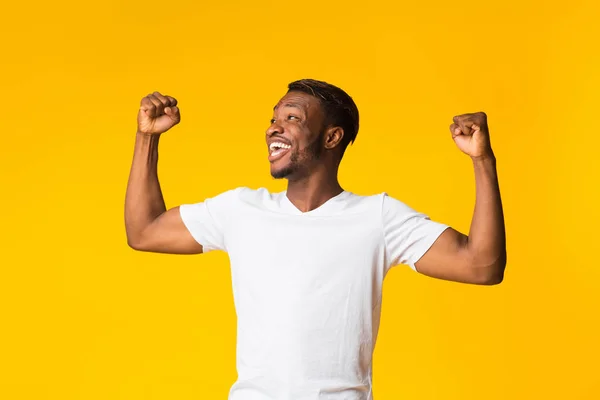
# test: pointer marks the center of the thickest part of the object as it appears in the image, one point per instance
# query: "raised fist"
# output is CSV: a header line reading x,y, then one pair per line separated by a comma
x,y
471,135
157,114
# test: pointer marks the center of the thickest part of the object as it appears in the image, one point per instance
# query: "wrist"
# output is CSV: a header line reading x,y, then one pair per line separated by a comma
x,y
487,158
146,143
147,137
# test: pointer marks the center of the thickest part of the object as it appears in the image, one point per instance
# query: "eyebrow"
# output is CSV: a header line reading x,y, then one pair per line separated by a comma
x,y
295,105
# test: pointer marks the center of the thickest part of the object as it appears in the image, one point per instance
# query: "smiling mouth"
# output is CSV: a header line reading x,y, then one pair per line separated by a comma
x,y
277,150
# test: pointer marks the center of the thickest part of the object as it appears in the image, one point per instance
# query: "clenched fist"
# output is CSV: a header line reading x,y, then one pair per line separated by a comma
x,y
157,114
471,135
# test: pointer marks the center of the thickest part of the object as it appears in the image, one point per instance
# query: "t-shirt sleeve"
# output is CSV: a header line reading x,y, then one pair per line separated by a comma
x,y
408,234
208,221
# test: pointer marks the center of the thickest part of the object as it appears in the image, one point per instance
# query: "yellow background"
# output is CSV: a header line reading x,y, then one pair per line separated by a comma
x,y
85,317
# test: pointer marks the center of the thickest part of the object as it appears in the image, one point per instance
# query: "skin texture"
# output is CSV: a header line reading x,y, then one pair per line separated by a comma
x,y
311,168
149,226
311,165
480,257
297,121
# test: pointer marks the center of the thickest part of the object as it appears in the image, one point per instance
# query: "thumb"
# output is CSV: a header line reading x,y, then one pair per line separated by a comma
x,y
455,130
146,113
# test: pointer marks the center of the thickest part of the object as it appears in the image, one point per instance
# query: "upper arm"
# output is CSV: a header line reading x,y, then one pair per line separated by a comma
x,y
429,247
168,234
191,228
408,234
449,258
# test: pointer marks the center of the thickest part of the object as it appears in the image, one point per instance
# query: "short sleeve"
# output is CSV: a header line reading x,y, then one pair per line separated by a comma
x,y
208,221
408,234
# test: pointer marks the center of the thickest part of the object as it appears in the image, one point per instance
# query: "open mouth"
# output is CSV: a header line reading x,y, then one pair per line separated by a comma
x,y
278,150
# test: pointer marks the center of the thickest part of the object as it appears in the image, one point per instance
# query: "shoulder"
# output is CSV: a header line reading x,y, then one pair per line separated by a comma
x,y
352,203
242,192
381,202
227,196
248,194
257,198
393,205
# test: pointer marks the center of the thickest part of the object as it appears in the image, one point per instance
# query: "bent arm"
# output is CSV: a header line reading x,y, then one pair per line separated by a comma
x,y
479,258
148,224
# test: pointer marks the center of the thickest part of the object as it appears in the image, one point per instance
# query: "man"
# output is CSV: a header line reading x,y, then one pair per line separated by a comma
x,y
308,263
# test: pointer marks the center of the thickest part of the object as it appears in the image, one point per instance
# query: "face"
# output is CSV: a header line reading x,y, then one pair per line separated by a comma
x,y
295,137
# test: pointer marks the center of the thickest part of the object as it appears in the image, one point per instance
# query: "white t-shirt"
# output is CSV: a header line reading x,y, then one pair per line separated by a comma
x,y
307,285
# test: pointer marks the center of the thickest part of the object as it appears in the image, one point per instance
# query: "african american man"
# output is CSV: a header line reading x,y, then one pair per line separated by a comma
x,y
308,263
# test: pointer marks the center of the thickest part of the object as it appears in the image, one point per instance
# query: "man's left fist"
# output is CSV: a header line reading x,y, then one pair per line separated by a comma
x,y
471,135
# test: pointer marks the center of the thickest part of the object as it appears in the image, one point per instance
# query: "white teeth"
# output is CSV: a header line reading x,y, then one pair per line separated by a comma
x,y
278,145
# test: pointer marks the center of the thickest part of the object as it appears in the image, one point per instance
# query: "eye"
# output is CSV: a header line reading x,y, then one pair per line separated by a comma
x,y
292,116
272,120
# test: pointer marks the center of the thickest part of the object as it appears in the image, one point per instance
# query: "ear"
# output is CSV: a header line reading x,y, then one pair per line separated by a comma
x,y
333,137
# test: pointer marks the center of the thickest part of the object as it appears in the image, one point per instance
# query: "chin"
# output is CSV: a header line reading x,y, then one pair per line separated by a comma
x,y
278,174
281,172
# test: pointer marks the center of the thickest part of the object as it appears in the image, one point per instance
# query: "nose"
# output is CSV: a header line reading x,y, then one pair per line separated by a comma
x,y
274,129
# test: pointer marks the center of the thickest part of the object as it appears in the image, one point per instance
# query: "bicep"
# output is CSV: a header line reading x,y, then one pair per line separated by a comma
x,y
168,234
449,259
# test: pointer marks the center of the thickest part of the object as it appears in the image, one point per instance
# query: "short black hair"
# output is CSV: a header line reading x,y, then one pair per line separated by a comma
x,y
339,108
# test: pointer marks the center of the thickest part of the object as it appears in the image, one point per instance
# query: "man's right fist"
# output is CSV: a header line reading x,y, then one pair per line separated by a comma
x,y
157,114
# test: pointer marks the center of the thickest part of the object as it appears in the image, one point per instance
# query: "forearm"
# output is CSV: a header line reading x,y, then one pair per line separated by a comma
x,y
143,200
487,238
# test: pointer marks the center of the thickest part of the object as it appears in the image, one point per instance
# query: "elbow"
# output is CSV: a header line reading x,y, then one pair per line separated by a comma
x,y
491,274
135,243
494,278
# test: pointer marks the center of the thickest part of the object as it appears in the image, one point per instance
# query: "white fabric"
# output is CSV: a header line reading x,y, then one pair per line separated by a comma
x,y
307,286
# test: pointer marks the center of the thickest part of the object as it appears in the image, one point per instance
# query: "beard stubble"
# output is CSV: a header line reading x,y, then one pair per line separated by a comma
x,y
300,159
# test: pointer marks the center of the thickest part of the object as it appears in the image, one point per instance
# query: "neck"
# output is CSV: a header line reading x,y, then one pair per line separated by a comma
x,y
313,190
